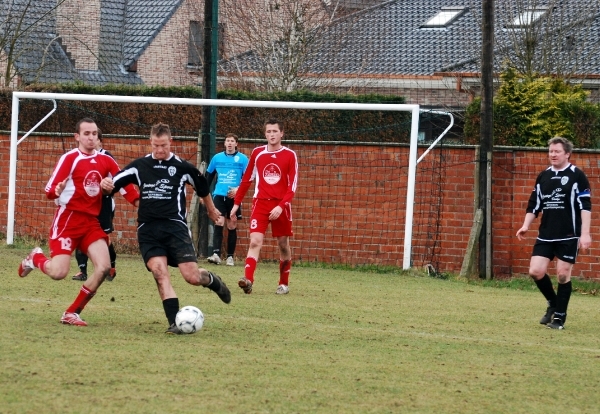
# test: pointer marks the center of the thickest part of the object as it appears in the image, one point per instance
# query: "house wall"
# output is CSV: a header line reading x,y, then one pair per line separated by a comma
x,y
594,96
249,23
350,202
78,25
164,62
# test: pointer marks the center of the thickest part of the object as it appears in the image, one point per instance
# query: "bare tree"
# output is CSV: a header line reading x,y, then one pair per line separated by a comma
x,y
535,38
24,41
273,45
549,38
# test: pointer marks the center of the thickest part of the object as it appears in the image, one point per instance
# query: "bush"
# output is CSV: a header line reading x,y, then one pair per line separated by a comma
x,y
530,111
135,119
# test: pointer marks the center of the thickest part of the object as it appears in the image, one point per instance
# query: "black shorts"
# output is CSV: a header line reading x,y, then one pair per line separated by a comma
x,y
224,205
168,238
565,250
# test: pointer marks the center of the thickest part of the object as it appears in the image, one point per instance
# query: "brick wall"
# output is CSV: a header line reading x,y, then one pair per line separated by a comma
x,y
350,202
78,24
164,62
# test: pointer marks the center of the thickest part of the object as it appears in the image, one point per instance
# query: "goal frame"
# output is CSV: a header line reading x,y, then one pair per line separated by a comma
x,y
414,109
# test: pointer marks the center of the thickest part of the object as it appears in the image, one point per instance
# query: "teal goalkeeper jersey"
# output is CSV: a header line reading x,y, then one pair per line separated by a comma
x,y
229,168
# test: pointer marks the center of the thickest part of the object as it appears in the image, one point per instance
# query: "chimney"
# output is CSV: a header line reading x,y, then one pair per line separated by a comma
x,y
78,25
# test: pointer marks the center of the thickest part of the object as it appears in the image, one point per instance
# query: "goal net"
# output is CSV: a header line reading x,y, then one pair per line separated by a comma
x,y
361,198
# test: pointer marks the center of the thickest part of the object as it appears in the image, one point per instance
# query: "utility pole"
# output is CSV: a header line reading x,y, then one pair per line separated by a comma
x,y
208,129
486,140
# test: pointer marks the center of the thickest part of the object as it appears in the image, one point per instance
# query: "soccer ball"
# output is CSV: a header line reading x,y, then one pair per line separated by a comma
x,y
189,319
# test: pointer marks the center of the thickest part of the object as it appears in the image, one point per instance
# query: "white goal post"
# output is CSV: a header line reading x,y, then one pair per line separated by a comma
x,y
412,164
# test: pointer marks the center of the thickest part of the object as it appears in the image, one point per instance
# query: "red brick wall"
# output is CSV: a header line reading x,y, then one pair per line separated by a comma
x,y
350,202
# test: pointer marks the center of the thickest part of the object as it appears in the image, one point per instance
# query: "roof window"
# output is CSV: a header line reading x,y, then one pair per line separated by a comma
x,y
444,17
528,17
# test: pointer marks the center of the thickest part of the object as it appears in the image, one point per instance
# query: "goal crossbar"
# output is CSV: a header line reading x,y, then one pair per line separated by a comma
x,y
412,163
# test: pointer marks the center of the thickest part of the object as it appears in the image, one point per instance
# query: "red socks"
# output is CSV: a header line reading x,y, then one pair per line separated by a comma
x,y
250,268
284,272
85,295
39,261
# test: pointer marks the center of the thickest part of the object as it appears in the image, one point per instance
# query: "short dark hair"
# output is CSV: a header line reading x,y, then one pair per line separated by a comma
x,y
160,129
566,144
230,135
83,121
273,121
100,134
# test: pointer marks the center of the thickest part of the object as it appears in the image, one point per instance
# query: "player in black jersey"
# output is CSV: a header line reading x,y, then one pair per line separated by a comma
x,y
163,235
562,195
107,213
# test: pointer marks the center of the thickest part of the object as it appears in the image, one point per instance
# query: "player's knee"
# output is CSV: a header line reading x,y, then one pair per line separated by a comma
x,y
255,242
284,250
159,273
192,274
284,246
58,274
105,271
193,278
536,273
255,245
563,278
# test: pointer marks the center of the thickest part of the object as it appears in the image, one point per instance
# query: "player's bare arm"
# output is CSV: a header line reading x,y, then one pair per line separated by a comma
x,y
529,217
212,211
586,239
60,187
275,213
232,192
234,209
107,185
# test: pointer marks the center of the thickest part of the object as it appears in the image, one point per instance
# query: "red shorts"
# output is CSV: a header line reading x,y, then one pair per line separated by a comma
x,y
73,230
259,218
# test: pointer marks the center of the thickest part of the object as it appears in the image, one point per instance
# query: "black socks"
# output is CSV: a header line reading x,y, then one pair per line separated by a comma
x,y
231,242
563,295
171,307
217,239
545,286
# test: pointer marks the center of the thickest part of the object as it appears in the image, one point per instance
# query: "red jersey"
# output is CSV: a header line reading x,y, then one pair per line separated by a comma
x,y
276,175
83,173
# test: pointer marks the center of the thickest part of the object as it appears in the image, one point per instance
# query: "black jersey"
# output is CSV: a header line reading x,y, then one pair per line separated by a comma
x,y
162,186
560,196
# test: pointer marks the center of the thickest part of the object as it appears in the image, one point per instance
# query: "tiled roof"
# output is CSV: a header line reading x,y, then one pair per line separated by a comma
x,y
126,29
581,59
145,19
388,40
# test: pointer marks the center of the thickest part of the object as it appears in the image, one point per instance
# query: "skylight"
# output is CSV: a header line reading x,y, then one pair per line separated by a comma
x,y
444,17
528,17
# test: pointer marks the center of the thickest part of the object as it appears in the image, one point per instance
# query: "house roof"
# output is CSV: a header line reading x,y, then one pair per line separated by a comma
x,y
127,28
389,39
574,50
145,19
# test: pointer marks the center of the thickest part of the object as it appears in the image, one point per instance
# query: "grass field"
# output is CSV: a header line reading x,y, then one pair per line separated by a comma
x,y
341,342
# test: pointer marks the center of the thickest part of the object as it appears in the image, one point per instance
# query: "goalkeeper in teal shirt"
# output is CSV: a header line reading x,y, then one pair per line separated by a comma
x,y
228,166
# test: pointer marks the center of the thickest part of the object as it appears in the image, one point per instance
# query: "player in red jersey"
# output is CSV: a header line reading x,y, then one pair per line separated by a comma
x,y
75,187
275,169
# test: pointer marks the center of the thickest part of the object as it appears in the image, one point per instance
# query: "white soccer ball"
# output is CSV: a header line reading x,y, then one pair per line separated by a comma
x,y
189,319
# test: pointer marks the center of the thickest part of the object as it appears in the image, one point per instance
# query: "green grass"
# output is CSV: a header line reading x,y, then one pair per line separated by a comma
x,y
342,341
